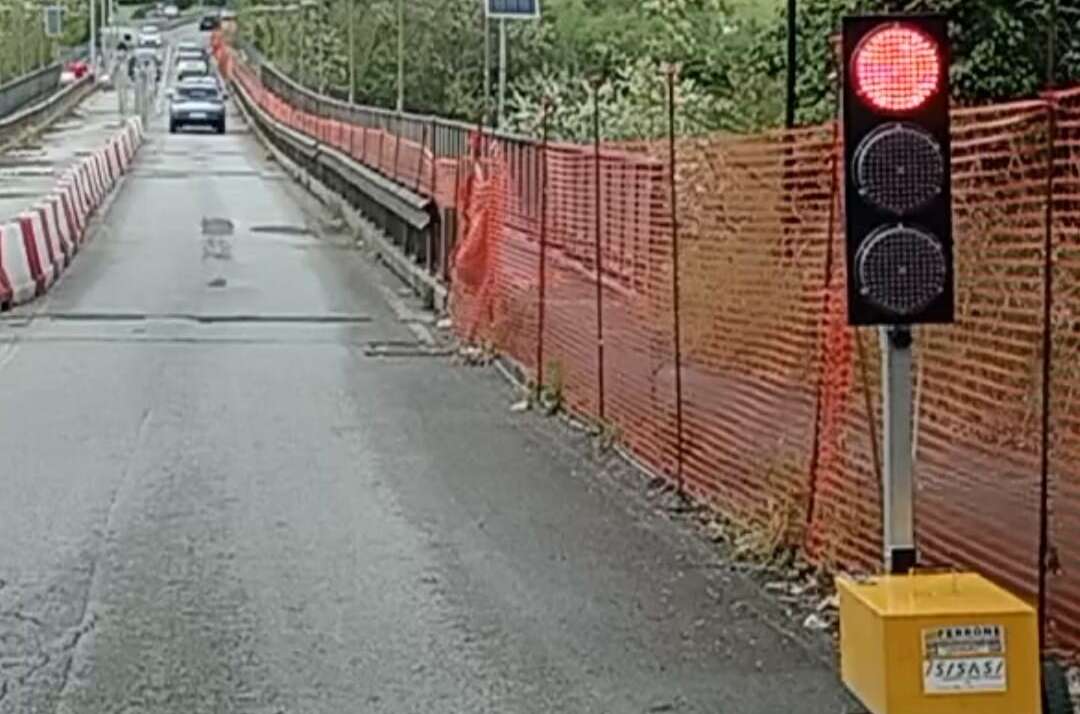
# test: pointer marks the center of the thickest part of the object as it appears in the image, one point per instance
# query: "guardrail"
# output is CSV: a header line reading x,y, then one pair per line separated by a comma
x,y
410,224
448,138
15,127
776,427
26,89
436,158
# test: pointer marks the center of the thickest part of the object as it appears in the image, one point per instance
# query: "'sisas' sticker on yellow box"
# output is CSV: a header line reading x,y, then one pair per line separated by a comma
x,y
964,659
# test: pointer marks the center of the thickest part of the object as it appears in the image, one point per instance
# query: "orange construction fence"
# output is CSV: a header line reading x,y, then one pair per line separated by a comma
x,y
765,406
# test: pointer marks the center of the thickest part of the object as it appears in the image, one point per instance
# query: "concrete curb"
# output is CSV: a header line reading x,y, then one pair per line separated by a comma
x,y
39,244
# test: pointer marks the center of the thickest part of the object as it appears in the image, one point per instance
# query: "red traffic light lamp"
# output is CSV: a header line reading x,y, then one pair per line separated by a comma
x,y
897,68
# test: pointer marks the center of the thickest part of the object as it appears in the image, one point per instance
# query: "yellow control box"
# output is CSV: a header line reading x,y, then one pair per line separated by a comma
x,y
942,643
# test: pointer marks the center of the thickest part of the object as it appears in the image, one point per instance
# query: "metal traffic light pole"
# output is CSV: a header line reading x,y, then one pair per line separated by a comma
x,y
907,637
898,487
899,233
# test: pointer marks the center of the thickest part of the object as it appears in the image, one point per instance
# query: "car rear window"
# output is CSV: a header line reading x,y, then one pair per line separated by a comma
x,y
198,94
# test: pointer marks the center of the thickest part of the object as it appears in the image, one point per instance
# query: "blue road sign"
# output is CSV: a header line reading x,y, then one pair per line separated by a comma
x,y
513,9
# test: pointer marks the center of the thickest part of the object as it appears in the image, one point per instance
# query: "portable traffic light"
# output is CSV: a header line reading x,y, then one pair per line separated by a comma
x,y
896,153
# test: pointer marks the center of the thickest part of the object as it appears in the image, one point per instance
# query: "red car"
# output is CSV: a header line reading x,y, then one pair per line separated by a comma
x,y
74,71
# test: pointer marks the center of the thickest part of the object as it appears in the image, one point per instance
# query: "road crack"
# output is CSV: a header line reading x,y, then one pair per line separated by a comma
x,y
87,619
23,617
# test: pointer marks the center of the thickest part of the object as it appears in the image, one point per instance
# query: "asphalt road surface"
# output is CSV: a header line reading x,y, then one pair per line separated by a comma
x,y
223,492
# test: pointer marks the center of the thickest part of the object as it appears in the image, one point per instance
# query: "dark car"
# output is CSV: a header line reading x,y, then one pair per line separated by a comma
x,y
197,105
209,22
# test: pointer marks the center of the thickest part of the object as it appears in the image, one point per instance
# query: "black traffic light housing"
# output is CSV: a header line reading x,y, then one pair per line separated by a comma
x,y
898,198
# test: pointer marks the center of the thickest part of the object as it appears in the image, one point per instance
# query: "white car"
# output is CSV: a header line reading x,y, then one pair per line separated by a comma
x,y
150,36
171,11
191,68
190,51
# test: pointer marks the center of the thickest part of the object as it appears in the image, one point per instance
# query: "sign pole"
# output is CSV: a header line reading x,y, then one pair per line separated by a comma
x,y
502,72
93,35
352,51
898,492
401,56
792,68
487,65
503,10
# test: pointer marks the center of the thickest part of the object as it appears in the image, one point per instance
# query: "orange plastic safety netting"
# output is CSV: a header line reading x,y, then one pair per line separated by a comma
x,y
564,261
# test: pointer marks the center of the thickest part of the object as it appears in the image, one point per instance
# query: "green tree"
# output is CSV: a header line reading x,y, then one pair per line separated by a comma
x,y
999,47
731,55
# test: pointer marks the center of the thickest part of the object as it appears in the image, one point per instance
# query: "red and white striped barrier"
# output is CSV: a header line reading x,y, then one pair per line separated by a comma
x,y
63,229
82,192
38,253
93,182
71,205
51,236
38,244
102,172
72,208
119,150
112,166
15,265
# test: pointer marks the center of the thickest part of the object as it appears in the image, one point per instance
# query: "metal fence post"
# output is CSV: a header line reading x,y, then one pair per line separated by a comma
x,y
598,251
676,293
420,158
1045,547
434,159
397,146
460,162
542,297
819,406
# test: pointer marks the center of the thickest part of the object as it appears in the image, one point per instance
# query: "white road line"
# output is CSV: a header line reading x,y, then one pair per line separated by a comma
x,y
8,350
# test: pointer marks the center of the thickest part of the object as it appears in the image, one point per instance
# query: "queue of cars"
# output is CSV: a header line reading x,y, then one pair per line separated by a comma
x,y
197,99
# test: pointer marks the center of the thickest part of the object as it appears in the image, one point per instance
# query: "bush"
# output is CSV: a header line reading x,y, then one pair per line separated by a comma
x,y
732,55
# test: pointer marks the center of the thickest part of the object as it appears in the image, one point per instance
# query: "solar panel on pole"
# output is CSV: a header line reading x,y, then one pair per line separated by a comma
x,y
513,9
503,10
53,20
